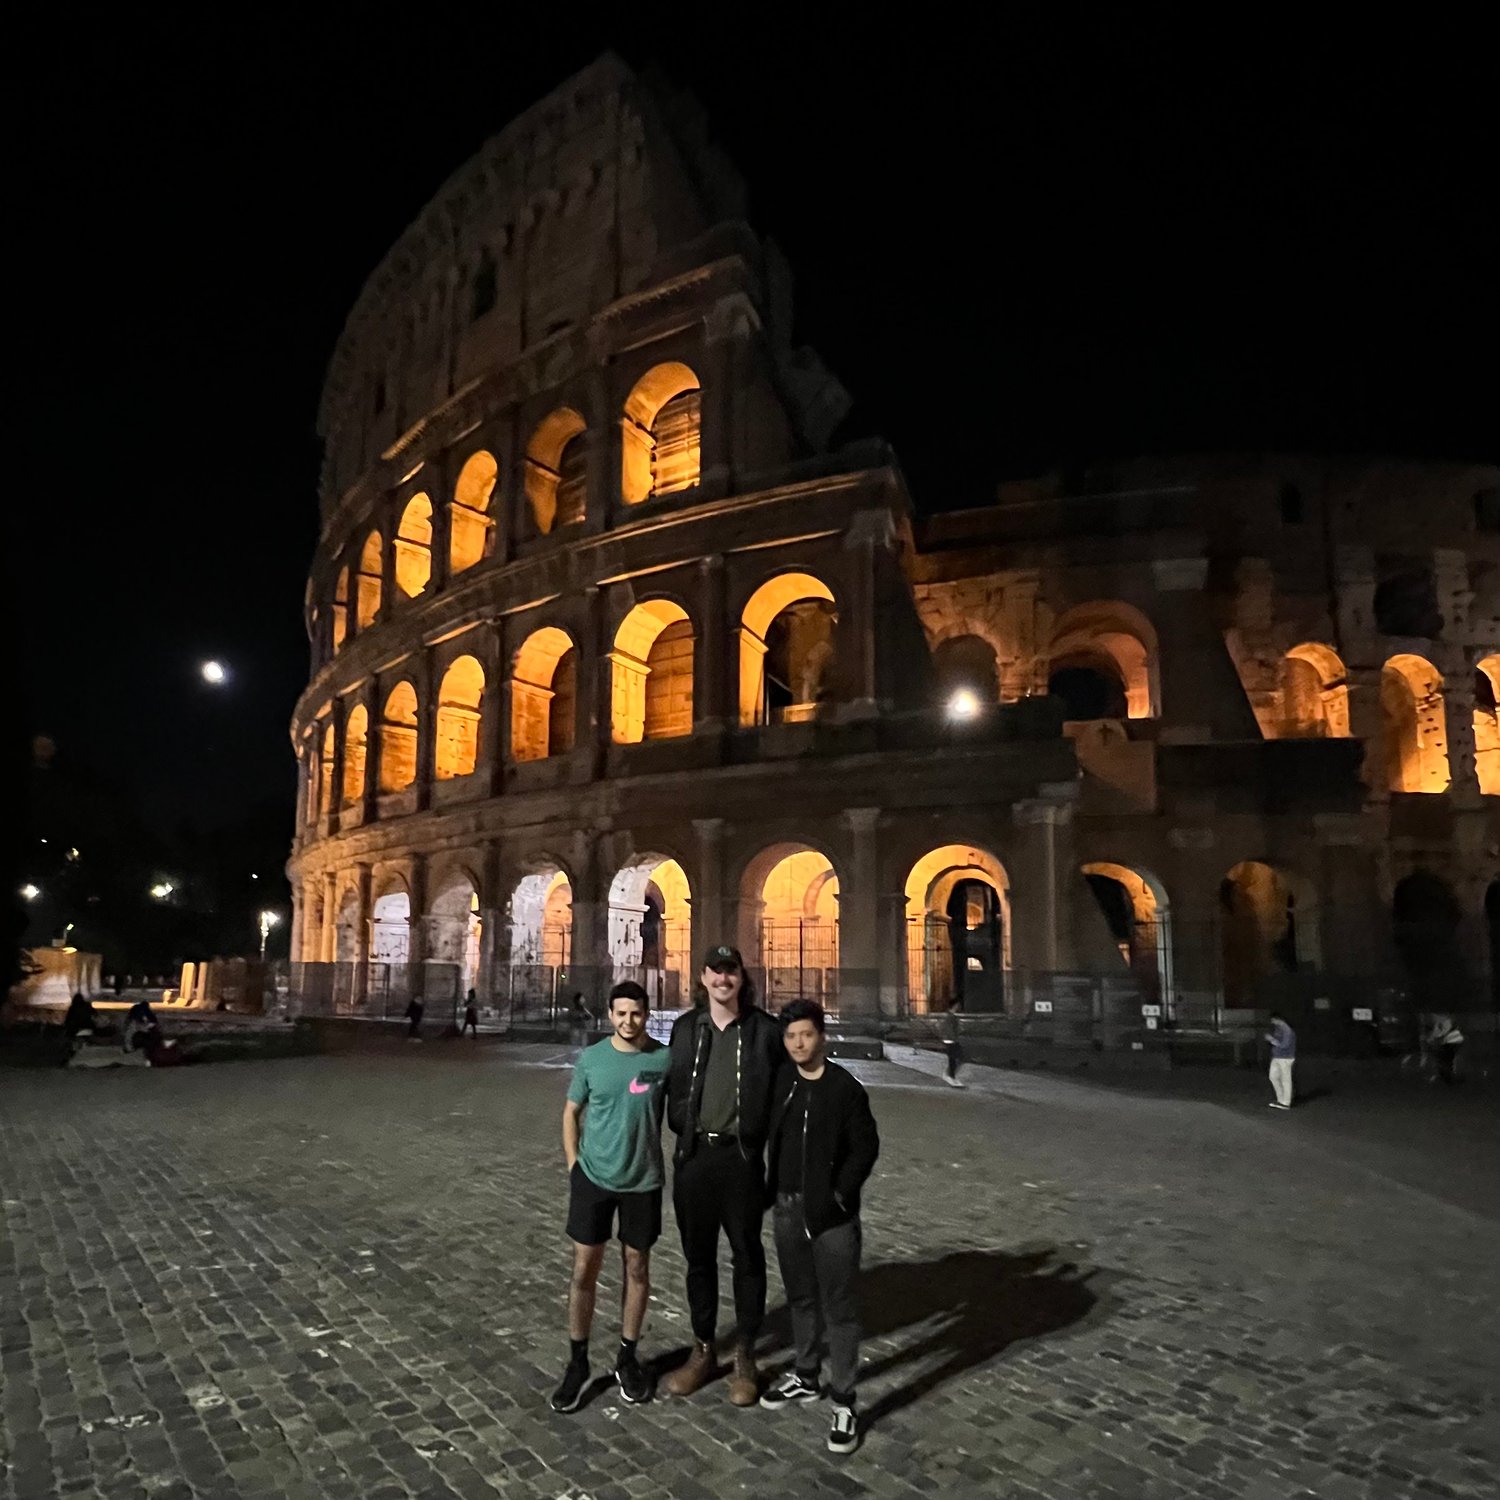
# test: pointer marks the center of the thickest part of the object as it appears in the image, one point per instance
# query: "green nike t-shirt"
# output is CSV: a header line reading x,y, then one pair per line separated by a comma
x,y
622,1094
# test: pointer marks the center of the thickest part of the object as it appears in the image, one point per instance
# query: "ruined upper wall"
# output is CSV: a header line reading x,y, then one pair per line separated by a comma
x,y
598,191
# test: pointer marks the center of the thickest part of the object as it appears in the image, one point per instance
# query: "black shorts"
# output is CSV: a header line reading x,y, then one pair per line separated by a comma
x,y
591,1213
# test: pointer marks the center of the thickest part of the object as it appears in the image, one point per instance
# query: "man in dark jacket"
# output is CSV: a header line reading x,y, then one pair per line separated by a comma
x,y
727,1060
823,1147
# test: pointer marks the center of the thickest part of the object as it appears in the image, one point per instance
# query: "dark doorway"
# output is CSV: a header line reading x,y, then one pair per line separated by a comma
x,y
977,937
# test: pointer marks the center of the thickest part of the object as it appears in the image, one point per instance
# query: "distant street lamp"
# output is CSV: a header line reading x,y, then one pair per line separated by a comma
x,y
161,890
268,920
214,673
30,892
964,704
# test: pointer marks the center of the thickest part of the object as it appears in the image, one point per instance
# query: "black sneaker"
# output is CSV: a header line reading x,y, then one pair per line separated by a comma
x,y
789,1389
570,1393
635,1387
843,1435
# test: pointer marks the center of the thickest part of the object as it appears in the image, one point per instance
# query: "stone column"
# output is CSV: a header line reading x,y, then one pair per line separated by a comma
x,y
422,681
1041,904
869,533
361,975
416,939
708,898
330,814
1197,960
491,914
494,723
1458,716
715,671
859,942
371,800
440,492
1367,724
891,935
590,969
602,490
328,938
389,525
294,945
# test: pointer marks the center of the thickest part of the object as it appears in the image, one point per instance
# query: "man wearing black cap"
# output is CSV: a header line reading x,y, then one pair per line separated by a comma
x,y
727,1058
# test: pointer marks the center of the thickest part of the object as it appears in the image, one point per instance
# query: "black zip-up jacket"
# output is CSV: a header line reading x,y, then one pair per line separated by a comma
x,y
840,1146
763,1060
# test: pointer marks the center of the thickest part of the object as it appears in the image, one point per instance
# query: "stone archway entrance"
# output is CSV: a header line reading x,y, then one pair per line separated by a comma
x,y
541,936
957,930
454,931
1134,907
650,929
789,898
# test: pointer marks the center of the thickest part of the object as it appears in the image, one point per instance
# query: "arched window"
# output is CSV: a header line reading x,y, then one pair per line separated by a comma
x,y
414,546
340,608
1487,725
398,739
1101,663
660,434
371,571
543,694
458,718
556,470
325,772
652,673
469,525
356,735
1414,740
1314,694
786,649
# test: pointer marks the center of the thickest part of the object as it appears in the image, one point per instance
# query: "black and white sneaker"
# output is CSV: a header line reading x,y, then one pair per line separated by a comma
x,y
843,1435
792,1387
569,1395
635,1386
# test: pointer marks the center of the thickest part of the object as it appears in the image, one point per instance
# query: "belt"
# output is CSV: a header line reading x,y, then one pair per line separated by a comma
x,y
718,1138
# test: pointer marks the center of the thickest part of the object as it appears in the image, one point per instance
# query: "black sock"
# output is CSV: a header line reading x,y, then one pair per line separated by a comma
x,y
627,1349
580,1351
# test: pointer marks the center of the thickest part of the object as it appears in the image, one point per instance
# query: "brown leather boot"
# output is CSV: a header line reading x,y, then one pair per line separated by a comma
x,y
744,1382
693,1375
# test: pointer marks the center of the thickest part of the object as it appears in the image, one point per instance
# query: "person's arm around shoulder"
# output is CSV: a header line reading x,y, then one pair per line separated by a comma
x,y
863,1138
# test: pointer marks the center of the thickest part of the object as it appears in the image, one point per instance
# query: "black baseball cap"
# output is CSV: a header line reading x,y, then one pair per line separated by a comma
x,y
723,954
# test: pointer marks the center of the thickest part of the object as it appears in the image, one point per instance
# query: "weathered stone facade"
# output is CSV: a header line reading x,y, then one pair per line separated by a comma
x,y
615,656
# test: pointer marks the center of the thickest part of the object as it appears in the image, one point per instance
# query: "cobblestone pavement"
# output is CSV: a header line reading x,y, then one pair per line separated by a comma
x,y
341,1277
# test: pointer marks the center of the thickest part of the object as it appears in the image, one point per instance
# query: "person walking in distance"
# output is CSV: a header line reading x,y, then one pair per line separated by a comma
x,y
611,1133
1283,1042
471,1016
414,1010
580,1020
727,1063
948,1033
1445,1039
822,1149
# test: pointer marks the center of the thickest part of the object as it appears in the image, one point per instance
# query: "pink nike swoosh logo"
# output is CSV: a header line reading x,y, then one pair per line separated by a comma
x,y
637,1087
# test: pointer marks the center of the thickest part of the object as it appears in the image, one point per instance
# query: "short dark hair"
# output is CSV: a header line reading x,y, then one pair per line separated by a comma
x,y
628,989
803,1010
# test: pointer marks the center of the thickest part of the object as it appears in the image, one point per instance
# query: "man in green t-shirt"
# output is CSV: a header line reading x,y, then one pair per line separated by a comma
x,y
612,1141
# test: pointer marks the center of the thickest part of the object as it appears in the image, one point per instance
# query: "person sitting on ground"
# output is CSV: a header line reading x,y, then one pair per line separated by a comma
x,y
78,1023
1444,1039
141,1026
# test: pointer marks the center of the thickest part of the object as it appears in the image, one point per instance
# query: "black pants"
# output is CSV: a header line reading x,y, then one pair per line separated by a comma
x,y
471,1023
1447,1057
955,1058
820,1274
717,1189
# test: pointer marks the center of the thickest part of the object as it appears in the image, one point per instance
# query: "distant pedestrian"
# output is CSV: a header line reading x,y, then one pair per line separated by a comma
x,y
1283,1042
580,1020
141,1028
414,1011
471,1016
77,1024
1444,1039
948,1032
822,1149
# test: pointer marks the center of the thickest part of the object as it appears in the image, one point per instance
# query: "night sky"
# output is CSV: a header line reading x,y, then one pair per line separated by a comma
x,y
1018,247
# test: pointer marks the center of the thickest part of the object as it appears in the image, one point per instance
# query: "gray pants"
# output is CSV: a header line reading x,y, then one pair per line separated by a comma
x,y
819,1275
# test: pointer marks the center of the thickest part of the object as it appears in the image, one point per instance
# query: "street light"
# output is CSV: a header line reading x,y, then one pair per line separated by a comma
x,y
214,673
30,892
963,704
268,920
161,890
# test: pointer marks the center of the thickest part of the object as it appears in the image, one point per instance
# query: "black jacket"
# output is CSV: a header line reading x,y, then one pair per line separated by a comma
x,y
841,1145
763,1060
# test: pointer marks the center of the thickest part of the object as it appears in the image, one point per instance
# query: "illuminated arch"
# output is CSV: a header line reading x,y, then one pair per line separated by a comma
x,y
556,470
356,738
650,928
660,434
455,932
1414,737
1268,921
939,883
398,739
460,698
325,772
414,546
390,929
1113,643
541,930
789,904
807,659
651,674
469,514
341,608
1487,725
1314,693
1134,905
543,695
966,663
369,583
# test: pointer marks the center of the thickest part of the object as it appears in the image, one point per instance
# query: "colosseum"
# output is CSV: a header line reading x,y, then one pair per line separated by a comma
x,y
616,653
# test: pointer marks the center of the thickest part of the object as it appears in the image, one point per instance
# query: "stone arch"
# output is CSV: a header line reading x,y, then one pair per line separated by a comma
x,y
957,929
1134,905
454,935
539,916
650,928
1314,693
1426,918
1268,927
356,743
786,648
789,895
469,512
341,608
1487,725
370,580
556,470
966,664
459,719
651,673
327,758
1414,731
1103,657
398,739
414,546
661,433
543,695
390,924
